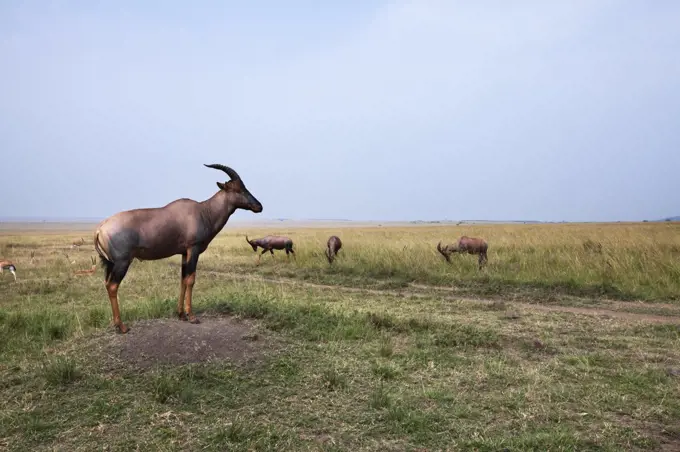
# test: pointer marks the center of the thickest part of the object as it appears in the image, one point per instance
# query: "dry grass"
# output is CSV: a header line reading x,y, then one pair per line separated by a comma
x,y
622,261
370,357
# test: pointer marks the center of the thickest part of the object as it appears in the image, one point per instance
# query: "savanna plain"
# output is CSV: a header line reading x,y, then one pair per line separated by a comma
x,y
569,339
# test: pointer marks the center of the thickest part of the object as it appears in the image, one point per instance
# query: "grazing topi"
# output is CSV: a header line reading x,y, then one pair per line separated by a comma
x,y
271,243
332,247
184,226
78,243
6,264
465,244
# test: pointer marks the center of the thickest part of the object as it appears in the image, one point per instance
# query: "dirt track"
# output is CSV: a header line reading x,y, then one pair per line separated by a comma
x,y
424,291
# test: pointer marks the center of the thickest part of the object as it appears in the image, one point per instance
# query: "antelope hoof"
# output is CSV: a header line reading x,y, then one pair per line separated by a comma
x,y
122,329
182,316
193,319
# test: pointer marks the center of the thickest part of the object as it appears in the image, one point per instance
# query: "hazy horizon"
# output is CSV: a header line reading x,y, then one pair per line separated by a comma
x,y
374,111
333,221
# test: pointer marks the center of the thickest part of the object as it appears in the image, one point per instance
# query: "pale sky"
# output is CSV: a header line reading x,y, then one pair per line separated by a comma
x,y
363,110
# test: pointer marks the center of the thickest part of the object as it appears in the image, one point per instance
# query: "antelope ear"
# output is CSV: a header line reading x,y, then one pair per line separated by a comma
x,y
220,185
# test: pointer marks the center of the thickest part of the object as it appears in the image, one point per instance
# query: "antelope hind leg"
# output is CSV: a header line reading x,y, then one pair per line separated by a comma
x,y
117,274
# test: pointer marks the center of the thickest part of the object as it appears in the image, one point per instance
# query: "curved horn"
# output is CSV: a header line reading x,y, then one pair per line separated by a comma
x,y
230,172
247,238
439,247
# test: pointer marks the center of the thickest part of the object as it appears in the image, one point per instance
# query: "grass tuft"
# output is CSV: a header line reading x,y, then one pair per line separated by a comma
x,y
62,371
386,347
464,335
380,398
385,371
332,379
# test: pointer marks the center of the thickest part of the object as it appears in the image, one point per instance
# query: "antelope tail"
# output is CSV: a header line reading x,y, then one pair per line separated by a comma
x,y
98,248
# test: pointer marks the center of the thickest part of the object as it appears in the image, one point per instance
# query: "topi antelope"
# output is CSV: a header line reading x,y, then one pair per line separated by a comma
x,y
8,265
78,243
468,245
271,243
90,270
332,247
184,226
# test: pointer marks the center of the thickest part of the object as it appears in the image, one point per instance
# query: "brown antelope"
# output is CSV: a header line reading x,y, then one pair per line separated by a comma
x,y
332,247
465,244
6,264
90,270
77,243
184,226
271,243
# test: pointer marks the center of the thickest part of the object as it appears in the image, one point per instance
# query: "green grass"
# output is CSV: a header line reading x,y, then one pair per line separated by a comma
x,y
343,369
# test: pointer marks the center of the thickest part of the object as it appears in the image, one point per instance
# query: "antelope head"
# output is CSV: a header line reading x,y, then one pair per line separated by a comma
x,y
239,194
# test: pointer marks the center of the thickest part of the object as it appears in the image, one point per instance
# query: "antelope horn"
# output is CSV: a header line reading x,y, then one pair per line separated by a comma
x,y
230,172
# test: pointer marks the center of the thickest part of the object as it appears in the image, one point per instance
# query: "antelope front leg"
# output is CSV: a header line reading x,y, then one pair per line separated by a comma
x,y
189,281
182,290
259,256
187,302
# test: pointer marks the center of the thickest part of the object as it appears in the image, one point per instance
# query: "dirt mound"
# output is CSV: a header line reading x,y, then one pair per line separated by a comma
x,y
170,341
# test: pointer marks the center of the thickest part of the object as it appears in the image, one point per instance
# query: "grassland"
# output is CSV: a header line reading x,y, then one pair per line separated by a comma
x,y
569,340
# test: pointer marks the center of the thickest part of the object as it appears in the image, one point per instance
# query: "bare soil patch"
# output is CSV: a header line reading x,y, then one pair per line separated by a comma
x,y
173,342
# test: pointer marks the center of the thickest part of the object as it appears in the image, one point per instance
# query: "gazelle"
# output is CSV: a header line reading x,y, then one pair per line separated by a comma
x,y
89,271
6,264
